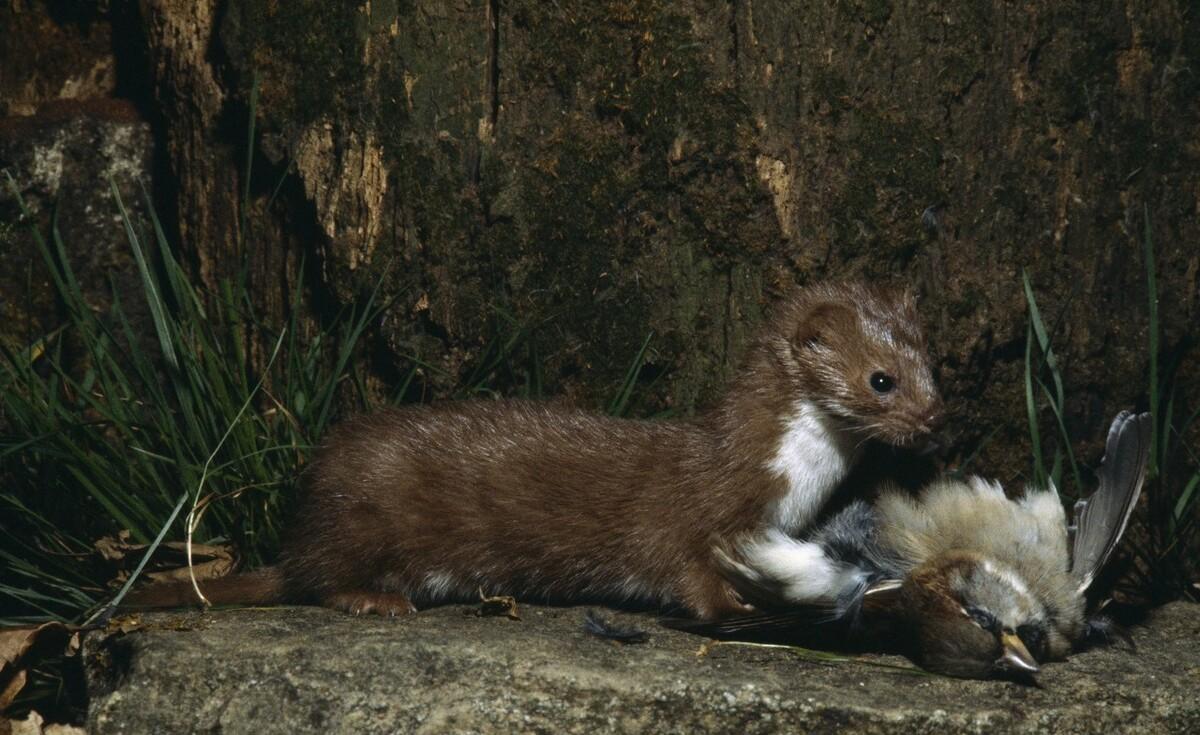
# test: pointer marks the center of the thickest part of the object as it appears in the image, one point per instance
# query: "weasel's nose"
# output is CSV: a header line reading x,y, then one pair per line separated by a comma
x,y
935,417
931,422
929,445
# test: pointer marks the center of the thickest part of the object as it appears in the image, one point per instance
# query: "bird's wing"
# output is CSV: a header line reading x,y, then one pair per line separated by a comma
x,y
878,599
1100,519
796,618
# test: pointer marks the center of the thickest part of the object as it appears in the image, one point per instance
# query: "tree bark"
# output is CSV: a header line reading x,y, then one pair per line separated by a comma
x,y
601,171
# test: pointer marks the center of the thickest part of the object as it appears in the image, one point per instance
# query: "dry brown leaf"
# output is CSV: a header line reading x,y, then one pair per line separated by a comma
x,y
16,643
31,725
20,648
113,548
497,606
123,623
10,688
208,570
13,644
200,552
170,560
172,554
35,725
73,645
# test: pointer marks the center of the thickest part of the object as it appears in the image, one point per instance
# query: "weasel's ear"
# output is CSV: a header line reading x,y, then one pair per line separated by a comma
x,y
908,304
821,320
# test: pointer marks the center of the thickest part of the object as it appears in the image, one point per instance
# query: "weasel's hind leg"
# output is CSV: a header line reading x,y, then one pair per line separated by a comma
x,y
364,602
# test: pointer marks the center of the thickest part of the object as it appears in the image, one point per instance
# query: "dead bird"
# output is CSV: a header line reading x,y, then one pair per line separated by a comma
x,y
978,584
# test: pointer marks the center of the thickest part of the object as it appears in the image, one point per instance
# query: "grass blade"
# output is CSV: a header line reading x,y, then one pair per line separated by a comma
x,y
1152,307
1035,437
158,310
620,402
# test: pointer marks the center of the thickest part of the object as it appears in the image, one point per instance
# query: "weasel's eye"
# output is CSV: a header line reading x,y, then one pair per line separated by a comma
x,y
881,382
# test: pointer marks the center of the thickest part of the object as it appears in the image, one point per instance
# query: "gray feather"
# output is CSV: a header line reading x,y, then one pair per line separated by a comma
x,y
755,624
850,537
1100,519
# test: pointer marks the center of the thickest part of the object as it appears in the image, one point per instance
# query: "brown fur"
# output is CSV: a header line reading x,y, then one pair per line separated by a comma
x,y
550,503
260,587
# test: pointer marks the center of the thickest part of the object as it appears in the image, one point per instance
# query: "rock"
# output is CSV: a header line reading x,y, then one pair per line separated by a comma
x,y
445,670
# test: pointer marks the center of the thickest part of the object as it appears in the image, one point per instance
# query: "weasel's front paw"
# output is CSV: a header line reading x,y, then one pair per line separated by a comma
x,y
388,604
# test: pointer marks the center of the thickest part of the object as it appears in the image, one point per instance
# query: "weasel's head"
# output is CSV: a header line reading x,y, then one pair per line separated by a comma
x,y
861,355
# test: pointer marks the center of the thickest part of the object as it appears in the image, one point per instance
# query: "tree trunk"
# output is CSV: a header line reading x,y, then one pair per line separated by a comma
x,y
600,171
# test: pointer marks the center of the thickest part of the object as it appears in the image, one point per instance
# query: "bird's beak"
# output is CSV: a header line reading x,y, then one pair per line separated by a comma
x,y
1016,656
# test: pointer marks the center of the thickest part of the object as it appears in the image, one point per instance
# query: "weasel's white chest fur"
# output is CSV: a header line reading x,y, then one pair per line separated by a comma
x,y
814,455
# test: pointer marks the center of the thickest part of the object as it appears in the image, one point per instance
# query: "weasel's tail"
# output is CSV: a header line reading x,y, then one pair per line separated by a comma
x,y
260,587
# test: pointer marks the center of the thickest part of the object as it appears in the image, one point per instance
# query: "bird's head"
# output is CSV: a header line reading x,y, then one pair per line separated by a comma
x,y
976,617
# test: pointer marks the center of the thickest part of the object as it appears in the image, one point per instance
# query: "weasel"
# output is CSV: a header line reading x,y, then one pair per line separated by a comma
x,y
417,506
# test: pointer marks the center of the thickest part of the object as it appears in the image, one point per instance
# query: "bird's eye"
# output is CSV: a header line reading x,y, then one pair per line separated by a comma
x,y
881,382
983,618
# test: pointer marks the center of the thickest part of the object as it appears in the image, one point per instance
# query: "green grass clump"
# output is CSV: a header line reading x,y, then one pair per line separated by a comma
x,y
1166,555
107,428
1166,540
1054,399
194,425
